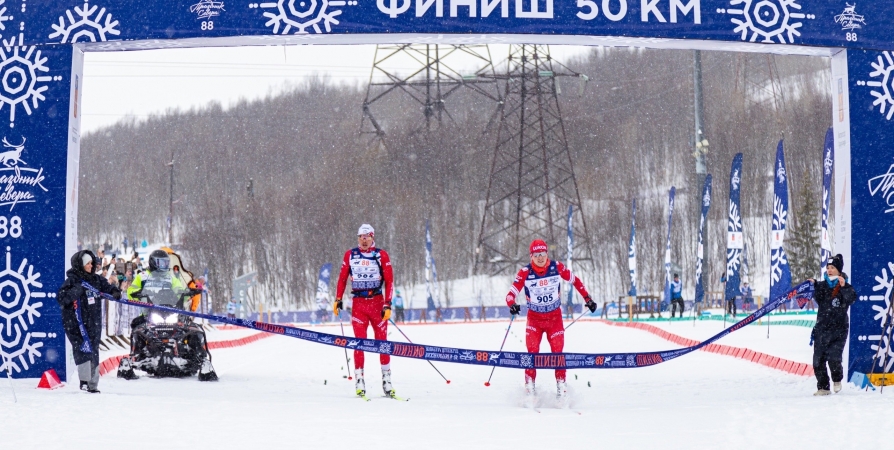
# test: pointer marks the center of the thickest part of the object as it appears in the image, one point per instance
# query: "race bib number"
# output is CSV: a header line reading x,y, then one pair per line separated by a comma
x,y
543,294
365,274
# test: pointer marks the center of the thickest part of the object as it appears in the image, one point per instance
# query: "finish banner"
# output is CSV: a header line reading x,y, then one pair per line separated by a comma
x,y
512,360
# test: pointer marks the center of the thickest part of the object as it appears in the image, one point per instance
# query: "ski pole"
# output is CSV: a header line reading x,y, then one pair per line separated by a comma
x,y
511,319
347,362
8,363
408,340
576,319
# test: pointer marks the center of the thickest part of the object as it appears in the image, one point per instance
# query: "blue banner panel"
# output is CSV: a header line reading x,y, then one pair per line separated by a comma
x,y
34,134
735,242
826,23
631,253
828,166
700,252
780,273
667,248
872,196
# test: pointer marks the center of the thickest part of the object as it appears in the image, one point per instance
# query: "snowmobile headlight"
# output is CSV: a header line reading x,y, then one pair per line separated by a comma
x,y
171,320
156,318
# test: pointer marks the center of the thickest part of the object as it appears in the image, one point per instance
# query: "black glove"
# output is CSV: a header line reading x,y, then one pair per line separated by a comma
x,y
590,304
514,309
116,293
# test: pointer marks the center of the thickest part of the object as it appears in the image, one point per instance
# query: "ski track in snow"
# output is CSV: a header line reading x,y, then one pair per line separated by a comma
x,y
272,393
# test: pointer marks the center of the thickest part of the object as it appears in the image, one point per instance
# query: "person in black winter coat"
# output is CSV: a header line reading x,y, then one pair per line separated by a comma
x,y
72,296
834,295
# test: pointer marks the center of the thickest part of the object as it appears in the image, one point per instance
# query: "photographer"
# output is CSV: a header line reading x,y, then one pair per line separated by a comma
x,y
834,295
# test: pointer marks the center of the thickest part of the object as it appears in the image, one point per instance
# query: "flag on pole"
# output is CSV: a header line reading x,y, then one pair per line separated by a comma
x,y
323,282
734,238
828,162
780,273
667,249
631,255
431,273
700,251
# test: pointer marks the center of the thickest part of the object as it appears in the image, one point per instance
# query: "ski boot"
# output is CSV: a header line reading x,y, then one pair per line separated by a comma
x,y
125,369
207,373
530,394
359,384
822,392
561,390
386,383
836,387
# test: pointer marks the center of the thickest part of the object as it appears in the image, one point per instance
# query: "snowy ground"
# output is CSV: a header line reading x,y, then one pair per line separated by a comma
x,y
288,393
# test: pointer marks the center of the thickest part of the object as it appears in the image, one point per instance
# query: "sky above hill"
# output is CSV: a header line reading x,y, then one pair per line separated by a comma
x,y
140,83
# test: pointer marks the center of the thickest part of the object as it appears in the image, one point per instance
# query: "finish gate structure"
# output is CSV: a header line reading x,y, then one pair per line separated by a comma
x,y
42,45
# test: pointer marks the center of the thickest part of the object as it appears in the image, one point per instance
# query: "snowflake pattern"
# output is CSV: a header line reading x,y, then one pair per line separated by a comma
x,y
302,15
733,255
385,348
769,20
85,27
526,361
884,97
20,66
778,259
17,312
700,255
3,17
884,352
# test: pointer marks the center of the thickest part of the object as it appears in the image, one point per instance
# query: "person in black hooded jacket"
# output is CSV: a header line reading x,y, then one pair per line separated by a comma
x,y
834,295
73,296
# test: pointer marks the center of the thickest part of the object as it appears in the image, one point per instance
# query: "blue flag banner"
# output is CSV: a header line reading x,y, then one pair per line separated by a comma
x,y
828,163
323,281
700,251
431,273
570,256
512,360
667,249
735,243
631,255
780,274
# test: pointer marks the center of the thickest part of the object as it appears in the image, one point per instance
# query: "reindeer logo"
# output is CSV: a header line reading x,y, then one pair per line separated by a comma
x,y
12,157
849,19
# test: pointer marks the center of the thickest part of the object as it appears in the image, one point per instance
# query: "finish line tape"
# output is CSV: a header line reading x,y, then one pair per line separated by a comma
x,y
511,360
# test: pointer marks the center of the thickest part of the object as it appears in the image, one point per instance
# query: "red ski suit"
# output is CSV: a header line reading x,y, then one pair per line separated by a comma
x,y
543,291
372,285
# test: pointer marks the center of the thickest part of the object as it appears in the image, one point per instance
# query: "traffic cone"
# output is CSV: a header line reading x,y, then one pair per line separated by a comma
x,y
49,380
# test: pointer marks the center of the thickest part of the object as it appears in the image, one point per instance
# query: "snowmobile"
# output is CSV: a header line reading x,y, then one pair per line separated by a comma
x,y
167,344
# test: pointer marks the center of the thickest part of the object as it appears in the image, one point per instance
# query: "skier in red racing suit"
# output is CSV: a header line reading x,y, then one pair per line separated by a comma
x,y
540,281
372,285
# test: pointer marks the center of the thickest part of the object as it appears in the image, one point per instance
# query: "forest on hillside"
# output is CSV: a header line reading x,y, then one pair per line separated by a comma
x,y
280,185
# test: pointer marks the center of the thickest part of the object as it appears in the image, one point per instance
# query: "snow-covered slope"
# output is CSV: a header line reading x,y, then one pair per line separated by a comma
x,y
286,393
